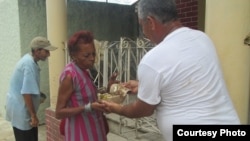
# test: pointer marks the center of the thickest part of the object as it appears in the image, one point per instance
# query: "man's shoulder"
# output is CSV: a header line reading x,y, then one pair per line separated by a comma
x,y
26,59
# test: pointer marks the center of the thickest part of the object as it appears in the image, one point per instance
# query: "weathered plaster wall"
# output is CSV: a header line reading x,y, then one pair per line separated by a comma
x,y
106,21
9,45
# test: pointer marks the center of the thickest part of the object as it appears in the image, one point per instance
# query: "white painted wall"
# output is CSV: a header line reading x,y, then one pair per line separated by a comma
x,y
10,51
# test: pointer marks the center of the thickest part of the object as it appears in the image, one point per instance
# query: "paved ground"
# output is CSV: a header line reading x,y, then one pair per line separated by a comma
x,y
6,133
146,128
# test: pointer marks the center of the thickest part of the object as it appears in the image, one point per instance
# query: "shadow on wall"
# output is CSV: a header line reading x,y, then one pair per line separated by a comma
x,y
44,102
247,40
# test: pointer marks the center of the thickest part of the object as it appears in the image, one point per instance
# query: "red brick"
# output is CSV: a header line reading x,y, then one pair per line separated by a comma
x,y
186,9
193,3
191,14
187,19
188,12
52,126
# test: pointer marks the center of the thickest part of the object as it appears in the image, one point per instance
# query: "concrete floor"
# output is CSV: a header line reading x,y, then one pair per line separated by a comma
x,y
6,133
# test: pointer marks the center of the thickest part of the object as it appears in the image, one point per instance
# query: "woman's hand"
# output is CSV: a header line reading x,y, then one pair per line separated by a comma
x,y
99,106
112,107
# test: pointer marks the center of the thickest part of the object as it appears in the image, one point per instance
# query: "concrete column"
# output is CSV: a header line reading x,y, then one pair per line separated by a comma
x,y
57,34
227,23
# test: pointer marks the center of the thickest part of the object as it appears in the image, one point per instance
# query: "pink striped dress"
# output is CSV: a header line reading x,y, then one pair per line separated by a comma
x,y
85,126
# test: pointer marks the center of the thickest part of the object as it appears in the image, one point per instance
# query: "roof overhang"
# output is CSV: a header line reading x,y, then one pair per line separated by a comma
x,y
121,2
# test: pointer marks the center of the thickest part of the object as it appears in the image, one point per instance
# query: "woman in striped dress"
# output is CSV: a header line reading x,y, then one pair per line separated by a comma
x,y
77,94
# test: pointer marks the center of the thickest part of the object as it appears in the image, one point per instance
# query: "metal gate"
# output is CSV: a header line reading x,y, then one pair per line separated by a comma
x,y
123,57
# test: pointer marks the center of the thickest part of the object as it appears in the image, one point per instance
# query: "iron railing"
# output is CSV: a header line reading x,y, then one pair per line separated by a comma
x,y
123,57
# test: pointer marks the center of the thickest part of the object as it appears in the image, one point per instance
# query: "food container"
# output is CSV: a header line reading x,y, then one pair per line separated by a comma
x,y
117,94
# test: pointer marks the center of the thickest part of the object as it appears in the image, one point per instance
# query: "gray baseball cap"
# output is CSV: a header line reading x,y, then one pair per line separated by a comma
x,y
41,42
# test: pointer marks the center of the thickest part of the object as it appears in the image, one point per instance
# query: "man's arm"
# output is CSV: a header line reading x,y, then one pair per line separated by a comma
x,y
136,109
29,104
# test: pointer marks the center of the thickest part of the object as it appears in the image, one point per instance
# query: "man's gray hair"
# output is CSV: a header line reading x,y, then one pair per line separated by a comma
x,y
163,10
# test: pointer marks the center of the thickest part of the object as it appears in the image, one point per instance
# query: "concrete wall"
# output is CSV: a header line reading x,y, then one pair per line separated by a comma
x,y
10,50
228,22
107,21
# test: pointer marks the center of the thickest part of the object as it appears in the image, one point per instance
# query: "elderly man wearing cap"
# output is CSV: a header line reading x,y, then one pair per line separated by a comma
x,y
23,98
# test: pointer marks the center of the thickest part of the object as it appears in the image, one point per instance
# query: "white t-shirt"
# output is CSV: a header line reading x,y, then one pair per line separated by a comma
x,y
182,74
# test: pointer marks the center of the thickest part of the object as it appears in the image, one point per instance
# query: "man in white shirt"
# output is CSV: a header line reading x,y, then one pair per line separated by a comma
x,y
180,78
